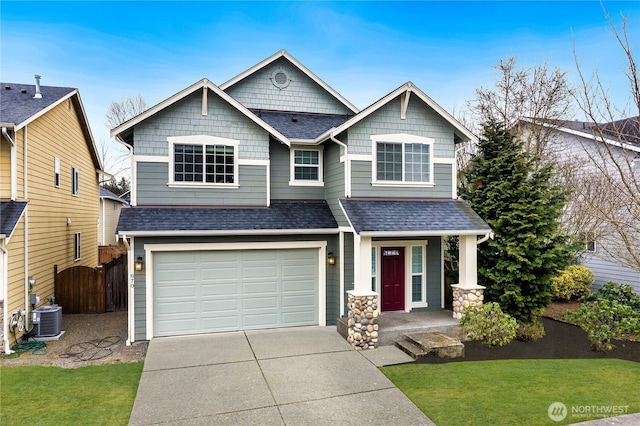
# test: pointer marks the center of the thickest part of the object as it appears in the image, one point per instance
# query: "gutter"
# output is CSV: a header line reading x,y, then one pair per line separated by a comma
x,y
486,237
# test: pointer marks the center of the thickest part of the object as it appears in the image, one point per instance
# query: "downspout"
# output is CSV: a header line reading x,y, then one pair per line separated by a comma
x,y
5,295
131,290
25,195
134,178
14,165
486,237
347,166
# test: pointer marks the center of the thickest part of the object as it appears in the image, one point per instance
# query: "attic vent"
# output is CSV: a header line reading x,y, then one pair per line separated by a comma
x,y
280,78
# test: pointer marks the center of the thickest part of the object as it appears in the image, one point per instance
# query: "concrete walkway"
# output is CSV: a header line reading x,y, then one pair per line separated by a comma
x,y
293,376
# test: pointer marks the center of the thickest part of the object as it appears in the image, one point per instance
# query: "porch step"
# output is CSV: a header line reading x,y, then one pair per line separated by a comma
x,y
439,344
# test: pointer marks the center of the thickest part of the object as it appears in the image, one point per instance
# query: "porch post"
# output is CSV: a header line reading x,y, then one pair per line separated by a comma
x,y
362,303
467,293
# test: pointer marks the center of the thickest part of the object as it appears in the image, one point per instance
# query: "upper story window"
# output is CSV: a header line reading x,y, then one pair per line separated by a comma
x,y
306,167
75,181
77,245
402,159
56,172
203,161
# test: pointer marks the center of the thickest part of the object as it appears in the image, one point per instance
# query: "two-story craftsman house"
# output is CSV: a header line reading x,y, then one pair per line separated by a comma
x,y
270,200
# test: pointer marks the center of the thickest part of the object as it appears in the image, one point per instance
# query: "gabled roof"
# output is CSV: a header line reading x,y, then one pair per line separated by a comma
x,y
10,213
105,193
299,126
407,89
296,63
380,217
18,107
124,130
627,129
282,217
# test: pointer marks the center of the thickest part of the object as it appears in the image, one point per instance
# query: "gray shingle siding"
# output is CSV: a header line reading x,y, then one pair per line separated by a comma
x,y
420,120
302,94
185,118
152,189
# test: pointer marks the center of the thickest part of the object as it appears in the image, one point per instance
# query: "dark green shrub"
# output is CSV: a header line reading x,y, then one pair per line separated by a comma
x,y
530,331
604,320
489,324
572,283
622,293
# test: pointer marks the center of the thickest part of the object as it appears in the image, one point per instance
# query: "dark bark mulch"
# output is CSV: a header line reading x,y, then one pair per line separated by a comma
x,y
561,341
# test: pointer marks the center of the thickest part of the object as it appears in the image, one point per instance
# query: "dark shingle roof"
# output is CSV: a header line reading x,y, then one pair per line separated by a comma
x,y
412,216
105,193
628,129
281,215
296,125
10,212
18,104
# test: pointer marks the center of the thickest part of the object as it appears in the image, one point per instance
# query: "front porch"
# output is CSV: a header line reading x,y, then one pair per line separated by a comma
x,y
393,326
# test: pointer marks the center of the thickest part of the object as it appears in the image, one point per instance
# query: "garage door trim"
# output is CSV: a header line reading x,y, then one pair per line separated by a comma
x,y
283,245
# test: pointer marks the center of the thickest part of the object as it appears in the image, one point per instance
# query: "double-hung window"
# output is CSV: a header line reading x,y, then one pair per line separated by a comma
x,y
203,161
76,245
402,159
306,166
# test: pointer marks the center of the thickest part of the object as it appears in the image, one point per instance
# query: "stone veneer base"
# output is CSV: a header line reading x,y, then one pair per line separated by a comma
x,y
362,321
466,297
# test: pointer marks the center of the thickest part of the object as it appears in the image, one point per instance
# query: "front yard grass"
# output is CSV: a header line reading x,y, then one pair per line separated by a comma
x,y
94,395
519,392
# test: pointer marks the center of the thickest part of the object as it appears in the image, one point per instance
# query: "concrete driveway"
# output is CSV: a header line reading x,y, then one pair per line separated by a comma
x,y
293,376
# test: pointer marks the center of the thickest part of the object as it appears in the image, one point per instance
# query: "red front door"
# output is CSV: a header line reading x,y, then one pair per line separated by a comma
x,y
392,278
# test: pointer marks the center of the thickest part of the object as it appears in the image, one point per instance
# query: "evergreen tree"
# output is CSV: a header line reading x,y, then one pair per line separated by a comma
x,y
523,205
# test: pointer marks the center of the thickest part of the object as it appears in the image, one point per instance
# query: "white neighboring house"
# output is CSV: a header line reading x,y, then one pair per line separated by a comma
x,y
586,158
110,207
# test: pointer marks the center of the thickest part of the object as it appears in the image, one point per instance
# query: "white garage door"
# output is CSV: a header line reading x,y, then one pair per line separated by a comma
x,y
207,291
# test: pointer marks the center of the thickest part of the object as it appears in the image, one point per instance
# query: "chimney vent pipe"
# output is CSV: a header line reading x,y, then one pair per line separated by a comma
x,y
38,95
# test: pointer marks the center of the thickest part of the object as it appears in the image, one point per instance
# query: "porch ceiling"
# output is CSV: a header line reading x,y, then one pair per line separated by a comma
x,y
385,217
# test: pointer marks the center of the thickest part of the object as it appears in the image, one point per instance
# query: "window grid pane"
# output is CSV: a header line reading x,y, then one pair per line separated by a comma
x,y
307,164
416,273
416,288
416,157
374,283
389,161
208,163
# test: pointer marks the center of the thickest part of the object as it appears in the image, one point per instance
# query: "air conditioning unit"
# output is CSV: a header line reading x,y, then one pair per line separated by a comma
x,y
47,321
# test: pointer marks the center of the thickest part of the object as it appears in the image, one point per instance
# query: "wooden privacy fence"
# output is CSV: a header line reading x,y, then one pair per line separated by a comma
x,y
86,290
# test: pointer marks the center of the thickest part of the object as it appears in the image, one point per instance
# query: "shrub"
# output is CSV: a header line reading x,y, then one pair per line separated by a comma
x,y
530,331
622,293
572,283
604,320
489,324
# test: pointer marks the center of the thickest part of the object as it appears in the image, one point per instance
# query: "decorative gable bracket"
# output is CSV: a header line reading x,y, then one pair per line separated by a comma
x,y
404,102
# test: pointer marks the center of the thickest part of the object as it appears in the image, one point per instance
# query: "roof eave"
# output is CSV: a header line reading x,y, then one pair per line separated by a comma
x,y
195,233
424,233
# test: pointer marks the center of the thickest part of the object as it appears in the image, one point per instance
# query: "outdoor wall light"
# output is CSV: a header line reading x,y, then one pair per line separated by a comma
x,y
32,282
139,264
331,258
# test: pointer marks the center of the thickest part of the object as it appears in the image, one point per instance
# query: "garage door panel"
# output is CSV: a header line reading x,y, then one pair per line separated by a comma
x,y
207,291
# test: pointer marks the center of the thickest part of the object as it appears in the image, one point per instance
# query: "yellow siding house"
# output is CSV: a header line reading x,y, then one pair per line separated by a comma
x,y
49,196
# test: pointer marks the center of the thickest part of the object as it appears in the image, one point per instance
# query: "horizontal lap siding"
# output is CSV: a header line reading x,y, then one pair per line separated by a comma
x,y
361,183
5,169
606,271
334,182
280,176
434,273
16,278
152,179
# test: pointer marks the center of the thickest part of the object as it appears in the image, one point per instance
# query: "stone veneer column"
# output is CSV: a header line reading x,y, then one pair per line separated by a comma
x,y
362,322
466,297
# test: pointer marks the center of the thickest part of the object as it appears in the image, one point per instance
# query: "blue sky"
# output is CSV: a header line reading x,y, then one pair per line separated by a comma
x,y
364,50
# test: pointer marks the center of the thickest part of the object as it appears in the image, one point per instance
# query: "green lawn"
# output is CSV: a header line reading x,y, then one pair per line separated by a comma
x,y
95,395
518,392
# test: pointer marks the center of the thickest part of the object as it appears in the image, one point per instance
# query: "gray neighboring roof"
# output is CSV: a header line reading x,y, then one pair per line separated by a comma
x,y
627,129
280,217
296,125
10,212
105,193
427,217
18,104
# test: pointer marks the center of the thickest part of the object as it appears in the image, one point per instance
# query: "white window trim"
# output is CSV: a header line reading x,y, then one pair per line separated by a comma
x,y
402,138
408,288
292,165
56,172
202,140
75,182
